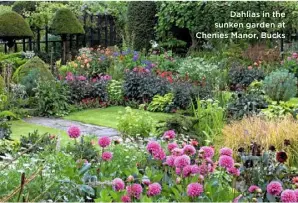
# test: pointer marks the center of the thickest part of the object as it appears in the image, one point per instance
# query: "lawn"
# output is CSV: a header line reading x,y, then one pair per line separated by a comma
x,y
20,127
108,117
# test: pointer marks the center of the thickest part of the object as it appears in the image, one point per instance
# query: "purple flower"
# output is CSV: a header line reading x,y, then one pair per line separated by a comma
x,y
135,57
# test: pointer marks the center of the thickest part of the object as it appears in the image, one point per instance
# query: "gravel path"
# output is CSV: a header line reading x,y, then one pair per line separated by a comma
x,y
61,124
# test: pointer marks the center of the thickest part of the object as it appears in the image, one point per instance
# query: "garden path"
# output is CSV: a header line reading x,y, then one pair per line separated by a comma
x,y
61,124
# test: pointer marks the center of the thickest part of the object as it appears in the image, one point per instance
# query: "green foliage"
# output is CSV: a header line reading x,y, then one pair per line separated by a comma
x,y
161,103
281,109
4,9
198,69
135,124
52,98
245,104
210,117
13,26
280,85
115,92
2,85
24,6
241,77
65,22
37,142
141,22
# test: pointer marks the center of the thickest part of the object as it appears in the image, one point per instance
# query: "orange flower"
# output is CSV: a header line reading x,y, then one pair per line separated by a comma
x,y
295,180
121,57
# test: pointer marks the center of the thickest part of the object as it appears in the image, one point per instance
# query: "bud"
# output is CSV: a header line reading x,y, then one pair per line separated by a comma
x,y
200,178
178,180
254,199
130,178
259,190
296,185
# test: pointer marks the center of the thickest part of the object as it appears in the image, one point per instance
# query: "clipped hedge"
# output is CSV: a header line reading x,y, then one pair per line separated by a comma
x,y
13,25
141,22
65,22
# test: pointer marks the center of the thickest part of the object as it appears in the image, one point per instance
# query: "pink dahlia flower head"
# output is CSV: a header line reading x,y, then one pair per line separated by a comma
x,y
296,193
153,146
253,188
74,132
234,171
170,160
195,169
226,151
107,156
189,150
208,152
118,184
226,161
194,189
104,141
182,161
125,198
169,135
177,152
135,190
186,171
154,189
288,196
274,188
159,155
172,146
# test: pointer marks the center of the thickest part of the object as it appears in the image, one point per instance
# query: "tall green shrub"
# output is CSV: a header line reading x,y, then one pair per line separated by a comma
x,y
280,85
141,22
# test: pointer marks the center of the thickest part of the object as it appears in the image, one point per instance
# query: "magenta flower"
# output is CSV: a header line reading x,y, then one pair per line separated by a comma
x,y
296,193
195,169
135,190
189,150
194,189
170,134
125,198
104,141
203,169
154,189
236,200
178,171
226,151
146,181
182,161
153,146
234,171
253,188
274,188
177,152
226,161
186,171
69,76
74,132
107,156
170,160
172,146
118,184
288,196
208,152
159,155
81,78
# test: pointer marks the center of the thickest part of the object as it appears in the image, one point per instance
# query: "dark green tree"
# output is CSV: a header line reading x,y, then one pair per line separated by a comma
x,y
140,23
65,23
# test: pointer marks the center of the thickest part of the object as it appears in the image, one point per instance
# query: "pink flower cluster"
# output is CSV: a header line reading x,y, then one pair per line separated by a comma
x,y
154,189
74,132
135,190
156,150
118,184
104,141
107,156
169,135
195,189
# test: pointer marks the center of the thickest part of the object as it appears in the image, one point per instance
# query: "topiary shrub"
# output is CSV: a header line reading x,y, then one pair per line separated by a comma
x,y
24,6
65,23
13,26
280,85
29,73
141,22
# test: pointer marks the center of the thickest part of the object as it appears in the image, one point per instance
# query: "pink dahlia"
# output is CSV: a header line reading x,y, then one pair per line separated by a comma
x,y
234,171
178,171
104,141
288,196
74,132
170,160
203,169
107,156
182,161
125,198
194,189
134,190
146,181
236,200
159,155
153,146
177,152
154,189
172,146
189,150
186,171
118,184
195,169
274,188
170,134
253,188
226,161
226,151
296,193
208,152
